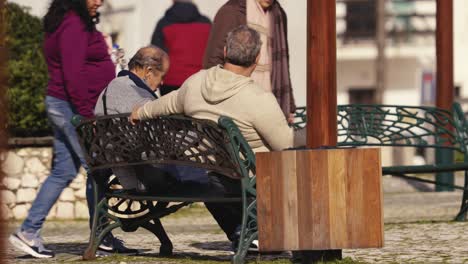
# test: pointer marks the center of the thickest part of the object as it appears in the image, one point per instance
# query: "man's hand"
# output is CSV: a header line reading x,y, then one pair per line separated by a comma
x,y
291,118
133,118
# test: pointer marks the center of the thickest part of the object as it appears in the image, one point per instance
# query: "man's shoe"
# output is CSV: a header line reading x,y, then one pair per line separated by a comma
x,y
33,246
253,247
111,244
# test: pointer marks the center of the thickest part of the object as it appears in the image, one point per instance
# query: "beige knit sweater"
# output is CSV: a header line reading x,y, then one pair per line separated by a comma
x,y
212,93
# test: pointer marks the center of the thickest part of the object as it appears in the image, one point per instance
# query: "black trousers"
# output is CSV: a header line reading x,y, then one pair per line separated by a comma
x,y
227,215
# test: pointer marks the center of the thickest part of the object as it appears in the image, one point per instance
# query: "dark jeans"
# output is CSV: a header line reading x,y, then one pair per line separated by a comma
x,y
165,89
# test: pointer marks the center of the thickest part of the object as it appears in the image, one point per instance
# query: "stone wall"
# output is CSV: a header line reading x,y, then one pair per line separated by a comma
x,y
25,170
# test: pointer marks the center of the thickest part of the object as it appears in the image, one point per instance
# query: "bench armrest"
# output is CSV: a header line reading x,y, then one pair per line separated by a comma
x,y
239,147
76,120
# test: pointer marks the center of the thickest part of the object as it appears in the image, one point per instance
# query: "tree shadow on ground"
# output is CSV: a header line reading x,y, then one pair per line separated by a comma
x,y
214,245
68,248
194,256
74,251
63,251
226,247
220,252
420,186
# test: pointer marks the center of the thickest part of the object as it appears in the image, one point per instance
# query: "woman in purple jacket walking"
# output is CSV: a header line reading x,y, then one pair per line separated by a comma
x,y
79,68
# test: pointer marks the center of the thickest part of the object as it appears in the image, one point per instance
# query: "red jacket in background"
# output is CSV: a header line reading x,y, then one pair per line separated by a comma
x,y
183,33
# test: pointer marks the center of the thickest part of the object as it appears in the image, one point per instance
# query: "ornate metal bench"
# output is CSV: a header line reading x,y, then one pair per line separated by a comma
x,y
112,141
406,126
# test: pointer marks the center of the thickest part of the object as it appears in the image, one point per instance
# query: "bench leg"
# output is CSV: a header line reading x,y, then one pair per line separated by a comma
x,y
103,223
461,216
158,230
249,221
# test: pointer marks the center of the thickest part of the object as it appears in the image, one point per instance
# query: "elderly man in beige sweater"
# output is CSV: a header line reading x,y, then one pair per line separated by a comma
x,y
228,90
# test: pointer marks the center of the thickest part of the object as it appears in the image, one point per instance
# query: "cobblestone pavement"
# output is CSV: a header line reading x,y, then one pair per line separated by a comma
x,y
432,239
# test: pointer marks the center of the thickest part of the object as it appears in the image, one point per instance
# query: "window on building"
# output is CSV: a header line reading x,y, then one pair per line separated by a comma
x,y
360,19
457,91
362,95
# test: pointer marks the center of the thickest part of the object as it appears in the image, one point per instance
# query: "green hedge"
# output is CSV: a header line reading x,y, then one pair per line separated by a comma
x,y
27,73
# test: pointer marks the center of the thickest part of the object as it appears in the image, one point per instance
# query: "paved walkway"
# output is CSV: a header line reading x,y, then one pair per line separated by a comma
x,y
406,241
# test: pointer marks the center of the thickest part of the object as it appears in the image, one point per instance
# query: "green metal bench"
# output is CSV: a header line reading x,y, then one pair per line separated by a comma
x,y
406,126
112,141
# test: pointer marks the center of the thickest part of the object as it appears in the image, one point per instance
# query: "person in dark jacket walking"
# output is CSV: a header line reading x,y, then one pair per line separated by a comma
x,y
183,33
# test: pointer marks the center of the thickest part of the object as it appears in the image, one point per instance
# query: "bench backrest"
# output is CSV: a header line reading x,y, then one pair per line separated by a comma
x,y
392,125
111,141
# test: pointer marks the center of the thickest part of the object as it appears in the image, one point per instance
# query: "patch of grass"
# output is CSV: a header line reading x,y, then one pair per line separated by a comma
x,y
193,210
348,260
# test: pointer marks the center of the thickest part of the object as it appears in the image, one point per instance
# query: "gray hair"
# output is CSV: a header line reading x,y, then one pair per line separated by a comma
x,y
149,56
242,46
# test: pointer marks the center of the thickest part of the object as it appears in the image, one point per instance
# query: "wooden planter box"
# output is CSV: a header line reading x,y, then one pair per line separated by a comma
x,y
319,199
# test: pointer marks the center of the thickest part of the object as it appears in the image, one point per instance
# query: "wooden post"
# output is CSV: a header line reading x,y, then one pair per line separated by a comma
x,y
445,83
321,89
305,198
321,73
380,61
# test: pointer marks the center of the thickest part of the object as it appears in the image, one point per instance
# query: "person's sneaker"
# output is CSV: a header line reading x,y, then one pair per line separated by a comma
x,y
234,237
111,244
33,245
253,248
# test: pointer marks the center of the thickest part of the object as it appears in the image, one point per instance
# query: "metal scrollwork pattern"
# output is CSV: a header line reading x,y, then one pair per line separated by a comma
x,y
300,117
392,125
113,141
386,125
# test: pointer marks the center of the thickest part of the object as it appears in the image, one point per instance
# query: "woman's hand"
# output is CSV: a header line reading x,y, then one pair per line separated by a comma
x,y
134,118
108,40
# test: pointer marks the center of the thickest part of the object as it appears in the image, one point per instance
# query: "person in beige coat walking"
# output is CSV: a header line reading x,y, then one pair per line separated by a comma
x,y
269,19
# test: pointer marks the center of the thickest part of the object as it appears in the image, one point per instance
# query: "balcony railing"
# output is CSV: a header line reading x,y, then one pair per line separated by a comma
x,y
405,20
